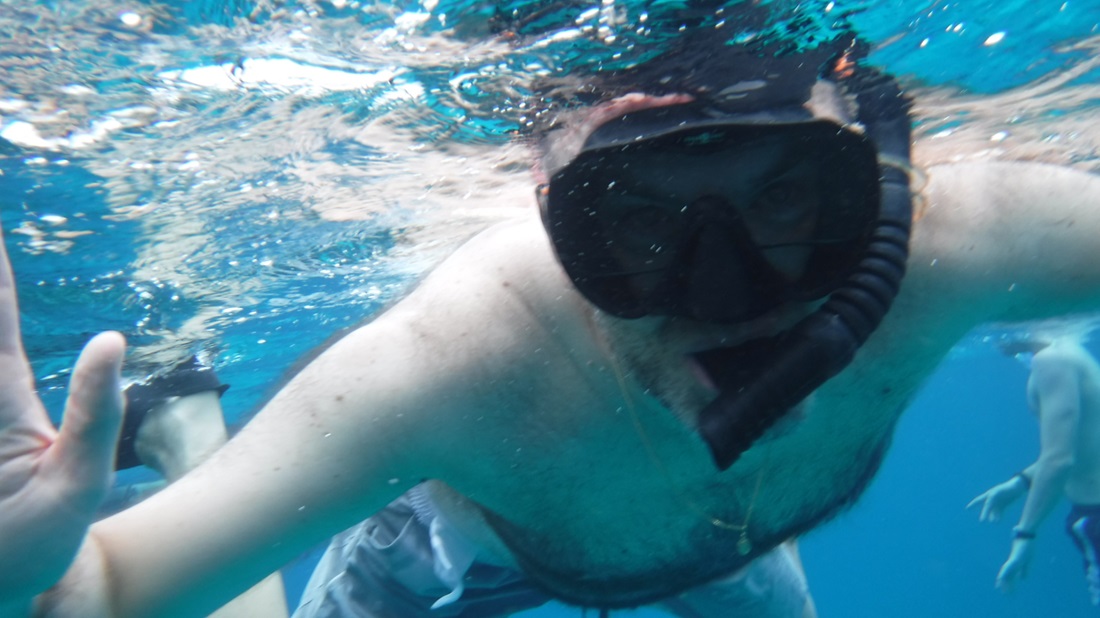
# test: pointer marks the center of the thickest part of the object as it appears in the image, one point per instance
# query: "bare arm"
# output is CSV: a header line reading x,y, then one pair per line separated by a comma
x,y
1004,242
174,438
351,432
1054,389
1009,241
1055,386
313,462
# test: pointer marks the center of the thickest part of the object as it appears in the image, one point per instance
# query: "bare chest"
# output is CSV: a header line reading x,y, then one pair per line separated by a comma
x,y
621,540
632,509
608,500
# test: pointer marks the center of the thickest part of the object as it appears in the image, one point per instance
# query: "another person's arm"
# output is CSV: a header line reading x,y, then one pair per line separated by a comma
x,y
997,498
1054,390
340,441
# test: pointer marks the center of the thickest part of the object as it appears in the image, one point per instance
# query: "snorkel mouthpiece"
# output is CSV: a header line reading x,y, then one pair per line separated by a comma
x,y
775,374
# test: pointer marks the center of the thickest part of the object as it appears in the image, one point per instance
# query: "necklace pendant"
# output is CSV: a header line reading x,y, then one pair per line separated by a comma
x,y
744,545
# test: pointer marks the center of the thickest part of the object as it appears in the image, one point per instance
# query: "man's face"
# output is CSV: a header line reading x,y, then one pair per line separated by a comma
x,y
765,183
722,230
712,219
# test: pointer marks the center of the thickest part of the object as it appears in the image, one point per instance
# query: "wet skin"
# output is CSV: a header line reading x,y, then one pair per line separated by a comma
x,y
574,429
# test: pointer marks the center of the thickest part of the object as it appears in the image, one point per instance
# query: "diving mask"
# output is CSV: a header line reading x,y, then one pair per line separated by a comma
x,y
712,219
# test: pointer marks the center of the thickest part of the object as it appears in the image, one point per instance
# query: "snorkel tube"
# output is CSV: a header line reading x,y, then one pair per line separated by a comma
x,y
773,375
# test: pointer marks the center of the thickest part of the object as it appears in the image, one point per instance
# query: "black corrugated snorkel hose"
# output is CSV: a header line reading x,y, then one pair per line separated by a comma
x,y
791,366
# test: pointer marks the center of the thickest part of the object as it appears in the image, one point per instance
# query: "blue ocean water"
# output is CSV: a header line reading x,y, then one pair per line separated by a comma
x,y
156,177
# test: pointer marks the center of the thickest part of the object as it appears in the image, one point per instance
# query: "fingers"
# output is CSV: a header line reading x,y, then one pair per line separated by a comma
x,y
989,512
9,311
992,505
12,359
1006,580
85,447
1015,568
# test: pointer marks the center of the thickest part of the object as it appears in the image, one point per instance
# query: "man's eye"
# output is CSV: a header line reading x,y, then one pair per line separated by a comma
x,y
777,194
783,201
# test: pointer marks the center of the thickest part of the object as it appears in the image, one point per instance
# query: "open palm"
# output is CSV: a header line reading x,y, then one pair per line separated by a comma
x,y
51,482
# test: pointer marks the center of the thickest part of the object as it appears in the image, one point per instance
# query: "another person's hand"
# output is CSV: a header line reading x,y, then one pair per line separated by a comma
x,y
51,482
1015,568
997,498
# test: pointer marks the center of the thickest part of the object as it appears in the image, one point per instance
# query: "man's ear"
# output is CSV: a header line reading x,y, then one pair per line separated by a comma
x,y
538,166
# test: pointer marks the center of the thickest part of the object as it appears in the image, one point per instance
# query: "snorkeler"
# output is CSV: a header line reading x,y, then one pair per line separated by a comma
x,y
695,348
1063,390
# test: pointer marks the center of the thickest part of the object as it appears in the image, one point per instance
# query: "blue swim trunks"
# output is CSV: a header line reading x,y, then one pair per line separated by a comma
x,y
1083,525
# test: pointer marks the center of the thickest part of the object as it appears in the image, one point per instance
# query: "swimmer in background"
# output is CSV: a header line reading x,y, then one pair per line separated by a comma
x,y
1063,391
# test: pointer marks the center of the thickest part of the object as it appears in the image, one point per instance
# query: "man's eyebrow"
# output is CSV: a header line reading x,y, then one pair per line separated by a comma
x,y
786,161
787,165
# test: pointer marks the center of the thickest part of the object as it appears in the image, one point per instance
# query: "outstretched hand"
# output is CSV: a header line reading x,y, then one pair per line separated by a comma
x,y
996,499
51,482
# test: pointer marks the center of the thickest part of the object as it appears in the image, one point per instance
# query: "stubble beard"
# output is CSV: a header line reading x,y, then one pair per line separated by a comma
x,y
648,352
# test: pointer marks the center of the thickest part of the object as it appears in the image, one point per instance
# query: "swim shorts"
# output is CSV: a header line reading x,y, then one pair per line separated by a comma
x,y
1083,525
407,562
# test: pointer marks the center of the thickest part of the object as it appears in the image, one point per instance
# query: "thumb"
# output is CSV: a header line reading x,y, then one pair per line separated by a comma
x,y
85,449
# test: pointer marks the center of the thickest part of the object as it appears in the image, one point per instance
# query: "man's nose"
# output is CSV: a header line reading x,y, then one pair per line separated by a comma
x,y
719,286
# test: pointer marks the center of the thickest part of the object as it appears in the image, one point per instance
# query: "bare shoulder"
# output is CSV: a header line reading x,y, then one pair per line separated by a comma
x,y
1003,196
1020,234
477,304
1063,355
478,321
511,249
